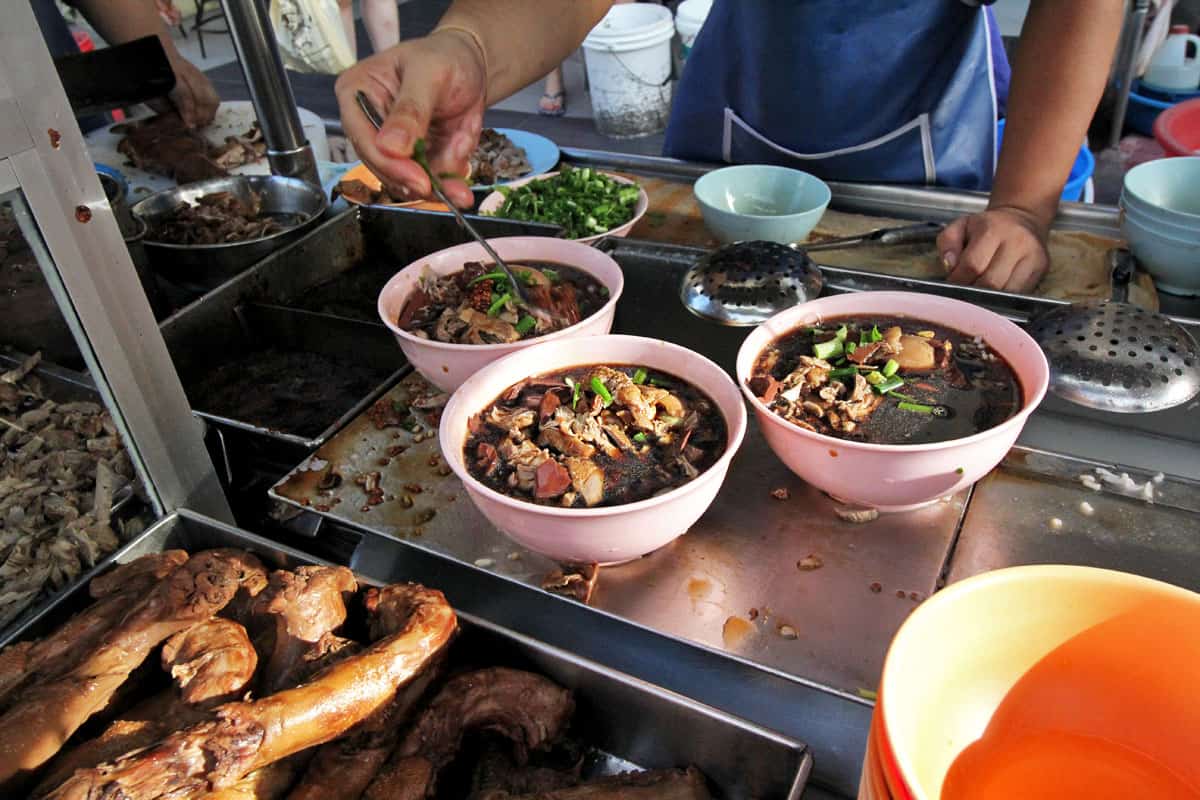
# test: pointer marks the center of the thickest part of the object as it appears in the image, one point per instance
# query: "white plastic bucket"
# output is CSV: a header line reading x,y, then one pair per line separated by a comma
x,y
629,69
689,19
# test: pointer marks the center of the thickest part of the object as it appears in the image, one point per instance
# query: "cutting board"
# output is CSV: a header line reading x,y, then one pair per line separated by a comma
x,y
234,118
1079,267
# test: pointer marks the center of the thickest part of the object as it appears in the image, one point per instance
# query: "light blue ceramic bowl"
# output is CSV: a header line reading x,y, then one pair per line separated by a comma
x,y
1173,262
1167,189
758,202
1151,218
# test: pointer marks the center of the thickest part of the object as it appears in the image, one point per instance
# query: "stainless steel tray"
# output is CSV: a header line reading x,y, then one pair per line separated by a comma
x,y
630,723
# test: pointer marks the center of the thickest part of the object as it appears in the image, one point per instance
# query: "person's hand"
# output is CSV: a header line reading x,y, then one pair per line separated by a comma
x,y
1002,248
434,89
193,96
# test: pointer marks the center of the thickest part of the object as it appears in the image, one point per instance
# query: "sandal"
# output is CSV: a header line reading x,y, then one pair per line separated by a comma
x,y
553,105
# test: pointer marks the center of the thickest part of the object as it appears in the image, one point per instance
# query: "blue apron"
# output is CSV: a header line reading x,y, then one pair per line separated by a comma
x,y
895,91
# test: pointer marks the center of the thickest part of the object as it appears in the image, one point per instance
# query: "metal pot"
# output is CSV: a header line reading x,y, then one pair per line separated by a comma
x,y
198,268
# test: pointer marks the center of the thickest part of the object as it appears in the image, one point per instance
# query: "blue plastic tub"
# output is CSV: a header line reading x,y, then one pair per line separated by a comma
x,y
1081,170
1145,104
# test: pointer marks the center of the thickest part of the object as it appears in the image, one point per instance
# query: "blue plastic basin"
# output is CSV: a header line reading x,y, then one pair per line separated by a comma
x,y
1081,170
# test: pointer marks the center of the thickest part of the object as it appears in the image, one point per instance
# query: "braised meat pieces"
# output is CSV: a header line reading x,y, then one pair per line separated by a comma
x,y
60,466
476,306
292,684
164,145
220,218
595,435
886,381
497,159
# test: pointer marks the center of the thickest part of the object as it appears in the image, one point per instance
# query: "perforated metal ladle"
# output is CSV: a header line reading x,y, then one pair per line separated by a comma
x,y
1114,356
749,282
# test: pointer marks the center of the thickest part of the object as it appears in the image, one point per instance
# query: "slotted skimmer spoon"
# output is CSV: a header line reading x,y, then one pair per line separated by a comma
x,y
1111,355
749,282
519,295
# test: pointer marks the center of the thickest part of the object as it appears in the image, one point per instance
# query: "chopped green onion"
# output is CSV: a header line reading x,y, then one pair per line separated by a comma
x,y
917,407
599,388
494,276
604,291
842,333
886,385
850,347
661,383
904,397
639,437
876,336
552,274
874,378
498,304
639,376
843,372
525,275
669,421
864,338
827,350
891,368
525,324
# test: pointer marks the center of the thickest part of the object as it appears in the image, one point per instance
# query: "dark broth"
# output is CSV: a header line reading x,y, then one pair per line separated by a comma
x,y
637,454
970,389
468,307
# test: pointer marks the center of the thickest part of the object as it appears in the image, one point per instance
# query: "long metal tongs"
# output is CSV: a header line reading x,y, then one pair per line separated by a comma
x,y
518,291
906,234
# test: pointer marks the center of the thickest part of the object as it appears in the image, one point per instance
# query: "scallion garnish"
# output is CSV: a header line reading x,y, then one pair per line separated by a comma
x,y
599,388
888,384
550,274
876,336
827,350
639,376
891,368
842,333
639,437
874,378
494,276
904,405
525,324
843,372
850,347
575,389
498,304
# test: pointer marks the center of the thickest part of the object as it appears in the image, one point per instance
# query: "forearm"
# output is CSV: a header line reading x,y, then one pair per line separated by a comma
x,y
523,40
1062,64
121,21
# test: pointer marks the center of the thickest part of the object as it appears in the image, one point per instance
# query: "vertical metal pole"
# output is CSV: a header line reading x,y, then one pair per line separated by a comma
x,y
287,148
1135,24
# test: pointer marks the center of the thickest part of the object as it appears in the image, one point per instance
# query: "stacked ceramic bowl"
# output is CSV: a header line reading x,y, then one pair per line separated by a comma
x,y
1160,218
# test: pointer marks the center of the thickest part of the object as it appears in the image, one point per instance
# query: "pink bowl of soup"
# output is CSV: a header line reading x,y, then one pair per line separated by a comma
x,y
580,479
473,327
884,418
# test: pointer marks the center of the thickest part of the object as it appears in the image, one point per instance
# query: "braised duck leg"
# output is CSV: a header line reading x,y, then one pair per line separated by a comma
x,y
28,662
212,662
38,724
247,736
527,709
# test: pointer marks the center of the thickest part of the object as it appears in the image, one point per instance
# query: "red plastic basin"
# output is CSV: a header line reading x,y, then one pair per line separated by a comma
x,y
1178,129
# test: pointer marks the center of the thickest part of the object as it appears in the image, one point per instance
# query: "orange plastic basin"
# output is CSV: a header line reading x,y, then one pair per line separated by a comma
x,y
1044,682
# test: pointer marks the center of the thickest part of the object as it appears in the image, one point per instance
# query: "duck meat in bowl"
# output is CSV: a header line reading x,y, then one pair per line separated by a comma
x,y
476,305
595,436
886,380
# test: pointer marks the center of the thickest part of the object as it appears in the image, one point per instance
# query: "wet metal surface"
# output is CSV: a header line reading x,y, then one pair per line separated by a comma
x,y
1011,521
783,583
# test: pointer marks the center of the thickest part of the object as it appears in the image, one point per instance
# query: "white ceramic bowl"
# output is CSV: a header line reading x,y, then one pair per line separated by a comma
x,y
491,204
609,534
897,477
447,365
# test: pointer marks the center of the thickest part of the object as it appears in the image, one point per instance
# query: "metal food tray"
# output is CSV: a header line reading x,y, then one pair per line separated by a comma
x,y
216,332
743,554
631,724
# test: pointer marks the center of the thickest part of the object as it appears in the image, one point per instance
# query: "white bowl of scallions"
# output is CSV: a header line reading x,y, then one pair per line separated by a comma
x,y
586,203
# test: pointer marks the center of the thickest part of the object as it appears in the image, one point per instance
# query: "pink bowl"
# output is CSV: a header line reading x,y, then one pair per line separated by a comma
x,y
491,204
446,365
610,534
897,477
